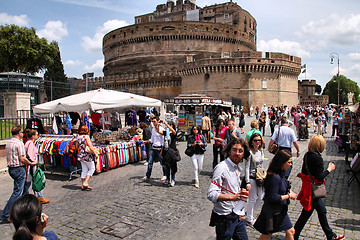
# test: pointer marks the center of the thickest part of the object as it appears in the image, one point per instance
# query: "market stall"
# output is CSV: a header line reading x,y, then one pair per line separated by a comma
x,y
191,109
116,147
349,139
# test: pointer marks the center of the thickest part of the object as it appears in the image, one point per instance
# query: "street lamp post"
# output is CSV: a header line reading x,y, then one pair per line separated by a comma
x,y
332,56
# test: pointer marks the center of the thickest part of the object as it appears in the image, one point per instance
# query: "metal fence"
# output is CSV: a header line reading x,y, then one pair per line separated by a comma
x,y
7,123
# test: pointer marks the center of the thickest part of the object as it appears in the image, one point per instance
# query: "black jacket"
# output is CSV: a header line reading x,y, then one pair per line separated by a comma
x,y
315,166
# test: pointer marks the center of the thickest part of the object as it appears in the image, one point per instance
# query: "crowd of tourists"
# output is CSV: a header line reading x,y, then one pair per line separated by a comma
x,y
231,146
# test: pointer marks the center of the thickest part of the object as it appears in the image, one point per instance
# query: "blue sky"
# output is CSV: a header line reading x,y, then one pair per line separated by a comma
x,y
308,29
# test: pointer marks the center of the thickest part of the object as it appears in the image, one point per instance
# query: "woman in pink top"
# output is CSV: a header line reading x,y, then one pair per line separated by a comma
x,y
219,141
32,152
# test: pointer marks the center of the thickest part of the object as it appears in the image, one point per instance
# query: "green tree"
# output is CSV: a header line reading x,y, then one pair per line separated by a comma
x,y
346,86
318,88
55,80
21,50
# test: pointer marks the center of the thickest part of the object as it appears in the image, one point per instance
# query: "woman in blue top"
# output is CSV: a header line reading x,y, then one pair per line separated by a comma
x,y
273,217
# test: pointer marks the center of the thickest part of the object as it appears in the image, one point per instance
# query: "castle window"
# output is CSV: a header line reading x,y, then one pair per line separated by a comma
x,y
264,83
151,18
151,29
216,30
226,16
113,36
168,28
138,20
251,36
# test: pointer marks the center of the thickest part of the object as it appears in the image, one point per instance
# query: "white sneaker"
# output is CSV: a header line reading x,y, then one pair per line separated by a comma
x,y
172,183
163,178
197,185
146,163
145,179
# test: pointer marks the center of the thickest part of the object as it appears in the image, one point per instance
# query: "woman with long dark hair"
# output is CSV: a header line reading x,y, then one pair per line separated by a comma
x,y
314,165
256,192
262,123
274,217
219,141
198,142
29,220
273,121
171,154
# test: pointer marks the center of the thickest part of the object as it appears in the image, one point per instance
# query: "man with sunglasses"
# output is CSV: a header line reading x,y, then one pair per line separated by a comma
x,y
225,192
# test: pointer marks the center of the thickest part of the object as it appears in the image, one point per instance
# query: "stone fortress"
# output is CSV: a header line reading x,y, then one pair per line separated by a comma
x,y
181,48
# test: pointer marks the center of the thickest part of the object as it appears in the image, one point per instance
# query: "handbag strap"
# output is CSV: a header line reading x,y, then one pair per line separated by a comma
x,y
277,139
307,169
253,158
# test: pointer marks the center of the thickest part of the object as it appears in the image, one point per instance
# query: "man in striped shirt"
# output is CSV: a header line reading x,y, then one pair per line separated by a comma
x,y
16,162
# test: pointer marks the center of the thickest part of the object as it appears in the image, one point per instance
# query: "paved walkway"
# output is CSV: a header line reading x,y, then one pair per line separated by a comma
x,y
139,210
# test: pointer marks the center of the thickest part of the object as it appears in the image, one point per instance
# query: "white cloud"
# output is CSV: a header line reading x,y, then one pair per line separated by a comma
x,y
288,47
344,30
352,72
355,57
72,63
96,67
94,44
21,20
54,30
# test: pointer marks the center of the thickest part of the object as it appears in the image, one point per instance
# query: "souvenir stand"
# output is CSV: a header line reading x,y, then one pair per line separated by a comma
x,y
191,109
116,148
351,130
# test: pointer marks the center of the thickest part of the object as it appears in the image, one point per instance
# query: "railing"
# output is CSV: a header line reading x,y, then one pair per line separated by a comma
x,y
7,123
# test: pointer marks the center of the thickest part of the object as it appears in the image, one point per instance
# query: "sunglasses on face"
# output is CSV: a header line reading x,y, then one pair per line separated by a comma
x,y
257,140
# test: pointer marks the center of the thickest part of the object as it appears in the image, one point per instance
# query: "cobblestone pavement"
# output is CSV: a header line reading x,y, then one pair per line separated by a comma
x,y
151,210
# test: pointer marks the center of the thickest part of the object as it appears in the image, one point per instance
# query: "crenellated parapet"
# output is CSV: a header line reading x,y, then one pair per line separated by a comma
x,y
241,62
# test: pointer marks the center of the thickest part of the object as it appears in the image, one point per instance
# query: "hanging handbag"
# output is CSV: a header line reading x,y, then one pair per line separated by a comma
x,y
259,173
318,189
275,147
190,151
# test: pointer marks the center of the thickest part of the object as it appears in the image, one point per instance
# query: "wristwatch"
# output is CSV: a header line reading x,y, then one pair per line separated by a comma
x,y
289,195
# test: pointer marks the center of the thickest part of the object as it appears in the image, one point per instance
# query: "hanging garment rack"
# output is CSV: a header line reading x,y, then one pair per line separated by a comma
x,y
60,137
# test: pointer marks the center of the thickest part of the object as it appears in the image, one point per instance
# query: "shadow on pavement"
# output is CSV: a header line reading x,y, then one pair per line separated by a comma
x,y
350,224
72,187
206,173
59,176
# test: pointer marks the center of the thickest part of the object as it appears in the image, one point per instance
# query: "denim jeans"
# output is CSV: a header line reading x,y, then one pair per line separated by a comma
x,y
155,154
318,205
19,175
227,229
27,187
216,151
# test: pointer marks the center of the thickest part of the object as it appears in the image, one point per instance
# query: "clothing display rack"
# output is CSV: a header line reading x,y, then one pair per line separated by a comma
x,y
61,147
54,147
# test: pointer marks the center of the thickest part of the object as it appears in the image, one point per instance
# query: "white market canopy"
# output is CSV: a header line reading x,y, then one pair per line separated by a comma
x,y
96,100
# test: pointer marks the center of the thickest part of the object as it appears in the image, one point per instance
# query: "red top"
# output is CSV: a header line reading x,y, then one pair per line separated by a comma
x,y
95,117
221,135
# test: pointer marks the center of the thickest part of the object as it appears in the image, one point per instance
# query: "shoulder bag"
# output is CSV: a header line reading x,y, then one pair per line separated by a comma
x,y
259,173
318,189
275,147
